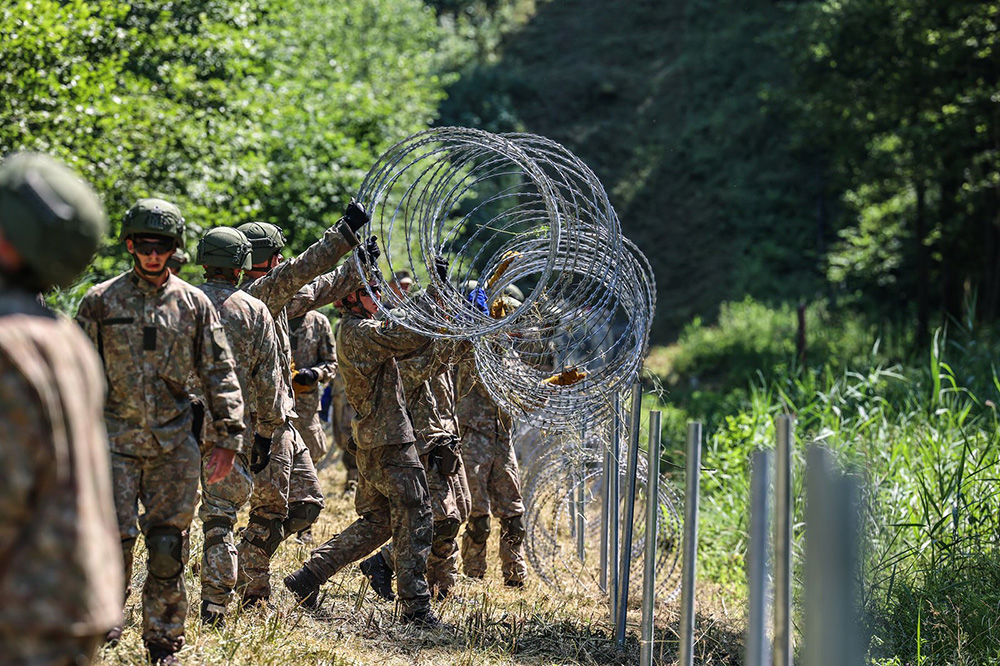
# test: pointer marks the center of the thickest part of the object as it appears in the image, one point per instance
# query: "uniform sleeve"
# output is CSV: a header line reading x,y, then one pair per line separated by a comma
x,y
327,356
278,287
215,368
325,289
87,316
22,428
267,378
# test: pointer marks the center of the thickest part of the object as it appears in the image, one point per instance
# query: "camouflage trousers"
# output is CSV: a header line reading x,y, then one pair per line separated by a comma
x,y
285,494
40,650
392,501
220,504
311,430
167,486
495,487
447,517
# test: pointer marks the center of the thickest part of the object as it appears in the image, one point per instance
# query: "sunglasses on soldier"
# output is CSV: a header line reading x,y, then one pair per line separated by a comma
x,y
149,245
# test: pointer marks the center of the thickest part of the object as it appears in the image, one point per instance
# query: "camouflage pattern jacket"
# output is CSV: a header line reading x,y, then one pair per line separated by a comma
x,y
474,406
367,350
430,394
290,290
60,554
150,338
312,347
250,329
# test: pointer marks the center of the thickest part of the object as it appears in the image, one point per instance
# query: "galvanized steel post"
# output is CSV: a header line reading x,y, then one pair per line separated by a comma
x,y
626,544
783,543
757,646
690,555
649,560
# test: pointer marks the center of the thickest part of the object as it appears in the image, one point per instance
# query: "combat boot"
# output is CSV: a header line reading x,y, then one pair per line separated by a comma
x,y
425,620
305,586
213,614
513,582
379,576
162,655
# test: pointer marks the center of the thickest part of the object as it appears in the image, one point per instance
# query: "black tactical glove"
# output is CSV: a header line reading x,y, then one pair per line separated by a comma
x,y
306,377
368,251
441,267
355,216
260,455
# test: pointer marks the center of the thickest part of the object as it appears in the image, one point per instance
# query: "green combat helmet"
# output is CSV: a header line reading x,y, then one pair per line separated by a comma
x,y
52,217
265,238
155,217
224,247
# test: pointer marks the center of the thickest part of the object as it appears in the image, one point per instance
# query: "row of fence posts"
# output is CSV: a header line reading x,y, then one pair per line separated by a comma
x,y
832,634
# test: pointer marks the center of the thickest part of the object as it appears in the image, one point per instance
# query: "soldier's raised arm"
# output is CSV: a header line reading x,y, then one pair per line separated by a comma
x,y
276,281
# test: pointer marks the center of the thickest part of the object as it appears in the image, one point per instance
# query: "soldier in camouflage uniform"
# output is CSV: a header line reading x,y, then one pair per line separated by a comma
x,y
315,365
60,563
341,414
392,498
430,399
152,330
225,253
494,479
287,497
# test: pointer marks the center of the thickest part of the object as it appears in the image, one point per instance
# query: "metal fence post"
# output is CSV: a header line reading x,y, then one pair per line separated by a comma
x,y
626,544
757,646
783,543
614,509
649,560
690,554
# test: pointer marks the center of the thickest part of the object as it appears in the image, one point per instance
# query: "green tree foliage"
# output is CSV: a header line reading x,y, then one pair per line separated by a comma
x,y
234,109
901,99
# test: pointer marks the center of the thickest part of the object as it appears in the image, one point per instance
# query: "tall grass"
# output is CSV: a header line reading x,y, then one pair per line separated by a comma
x,y
923,437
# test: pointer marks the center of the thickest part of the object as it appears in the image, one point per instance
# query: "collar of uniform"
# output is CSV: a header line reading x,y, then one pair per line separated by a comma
x,y
147,287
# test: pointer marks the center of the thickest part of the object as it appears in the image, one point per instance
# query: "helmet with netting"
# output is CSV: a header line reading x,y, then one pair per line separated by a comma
x,y
224,247
265,238
51,216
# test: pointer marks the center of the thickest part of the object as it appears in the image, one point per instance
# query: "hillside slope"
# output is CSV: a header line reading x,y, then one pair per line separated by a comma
x,y
668,103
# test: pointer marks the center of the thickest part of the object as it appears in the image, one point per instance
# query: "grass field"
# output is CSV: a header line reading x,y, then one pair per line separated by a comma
x,y
492,624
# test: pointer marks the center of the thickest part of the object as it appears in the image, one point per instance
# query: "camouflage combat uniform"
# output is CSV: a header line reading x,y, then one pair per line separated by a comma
x,y
494,480
287,497
312,347
427,384
60,562
392,498
150,339
250,329
341,415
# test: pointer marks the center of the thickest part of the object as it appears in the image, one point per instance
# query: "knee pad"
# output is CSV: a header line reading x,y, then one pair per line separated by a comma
x,y
479,529
447,529
216,539
512,530
275,534
165,545
300,516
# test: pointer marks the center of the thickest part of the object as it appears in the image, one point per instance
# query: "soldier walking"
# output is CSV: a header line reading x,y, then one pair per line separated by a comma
x,y
287,498
392,498
224,253
152,331
60,563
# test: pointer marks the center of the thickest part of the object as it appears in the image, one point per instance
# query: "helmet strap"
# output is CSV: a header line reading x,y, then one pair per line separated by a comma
x,y
151,275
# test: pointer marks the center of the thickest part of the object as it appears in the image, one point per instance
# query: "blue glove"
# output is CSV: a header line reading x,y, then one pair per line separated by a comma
x,y
478,299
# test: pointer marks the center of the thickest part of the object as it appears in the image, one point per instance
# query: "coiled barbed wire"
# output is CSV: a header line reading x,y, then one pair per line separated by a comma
x,y
514,210
564,470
